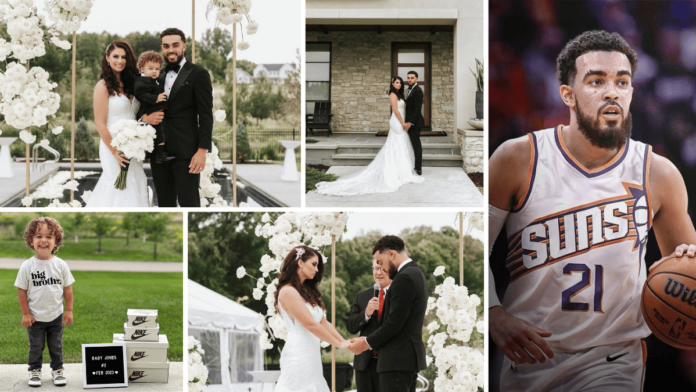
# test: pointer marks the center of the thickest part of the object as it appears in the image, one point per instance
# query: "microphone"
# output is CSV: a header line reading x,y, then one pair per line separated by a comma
x,y
376,295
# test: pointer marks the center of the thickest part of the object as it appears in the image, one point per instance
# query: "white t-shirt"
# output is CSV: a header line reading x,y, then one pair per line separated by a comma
x,y
44,281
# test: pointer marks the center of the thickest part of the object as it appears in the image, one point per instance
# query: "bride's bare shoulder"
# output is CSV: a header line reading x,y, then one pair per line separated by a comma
x,y
288,291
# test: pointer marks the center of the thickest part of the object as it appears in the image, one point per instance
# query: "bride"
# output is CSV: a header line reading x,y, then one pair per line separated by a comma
x,y
299,301
393,165
114,101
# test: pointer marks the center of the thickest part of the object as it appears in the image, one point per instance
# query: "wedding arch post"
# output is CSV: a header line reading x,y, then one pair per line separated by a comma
x,y
193,31
72,117
333,309
461,249
234,115
27,159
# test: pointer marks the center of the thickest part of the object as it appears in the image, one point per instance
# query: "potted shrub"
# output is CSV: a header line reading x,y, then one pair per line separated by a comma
x,y
479,88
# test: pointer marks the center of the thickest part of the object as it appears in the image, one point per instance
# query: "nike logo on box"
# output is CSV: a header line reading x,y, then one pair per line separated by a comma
x,y
612,359
137,356
138,334
136,375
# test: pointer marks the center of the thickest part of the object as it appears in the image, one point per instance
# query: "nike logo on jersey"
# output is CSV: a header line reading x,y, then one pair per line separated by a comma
x,y
577,230
612,359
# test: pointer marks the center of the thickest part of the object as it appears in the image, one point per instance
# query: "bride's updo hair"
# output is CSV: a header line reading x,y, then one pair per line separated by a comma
x,y
128,73
288,276
400,92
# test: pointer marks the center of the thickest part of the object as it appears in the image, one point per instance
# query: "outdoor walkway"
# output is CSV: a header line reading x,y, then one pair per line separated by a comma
x,y
115,266
11,187
15,377
267,179
443,187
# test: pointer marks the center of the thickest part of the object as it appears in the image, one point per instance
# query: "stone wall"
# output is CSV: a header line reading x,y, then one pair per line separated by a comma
x,y
361,72
471,144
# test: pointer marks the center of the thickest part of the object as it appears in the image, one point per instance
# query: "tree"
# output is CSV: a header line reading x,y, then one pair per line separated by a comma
x,y
102,225
263,102
246,66
243,105
85,147
131,222
157,225
290,106
76,221
215,48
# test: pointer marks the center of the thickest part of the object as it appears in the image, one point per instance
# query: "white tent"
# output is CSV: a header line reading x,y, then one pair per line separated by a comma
x,y
227,333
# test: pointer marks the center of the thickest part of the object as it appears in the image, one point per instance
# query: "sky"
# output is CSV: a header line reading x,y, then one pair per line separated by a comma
x,y
278,37
394,222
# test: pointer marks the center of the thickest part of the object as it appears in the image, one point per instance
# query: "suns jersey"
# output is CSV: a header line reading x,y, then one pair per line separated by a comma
x,y
576,245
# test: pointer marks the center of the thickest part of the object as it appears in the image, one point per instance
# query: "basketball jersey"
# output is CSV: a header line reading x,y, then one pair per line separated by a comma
x,y
576,245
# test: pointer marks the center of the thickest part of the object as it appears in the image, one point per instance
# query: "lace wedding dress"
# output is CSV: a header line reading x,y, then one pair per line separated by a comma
x,y
300,361
392,167
105,194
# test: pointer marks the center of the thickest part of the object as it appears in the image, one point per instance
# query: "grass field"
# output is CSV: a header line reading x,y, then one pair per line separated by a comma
x,y
101,300
113,249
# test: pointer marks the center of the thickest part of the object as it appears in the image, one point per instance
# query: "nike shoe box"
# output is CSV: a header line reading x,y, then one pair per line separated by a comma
x,y
148,372
141,334
144,318
142,352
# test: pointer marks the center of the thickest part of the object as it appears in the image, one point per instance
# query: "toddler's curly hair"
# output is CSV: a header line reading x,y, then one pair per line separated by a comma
x,y
52,225
149,57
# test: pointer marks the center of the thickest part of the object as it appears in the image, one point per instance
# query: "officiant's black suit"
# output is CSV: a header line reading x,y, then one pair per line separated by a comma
x,y
399,338
414,115
189,126
365,364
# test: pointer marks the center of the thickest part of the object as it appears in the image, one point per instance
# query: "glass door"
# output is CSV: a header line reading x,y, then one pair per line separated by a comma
x,y
414,57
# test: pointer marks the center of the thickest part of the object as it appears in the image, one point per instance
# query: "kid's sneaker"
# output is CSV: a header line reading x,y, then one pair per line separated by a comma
x,y
58,377
35,378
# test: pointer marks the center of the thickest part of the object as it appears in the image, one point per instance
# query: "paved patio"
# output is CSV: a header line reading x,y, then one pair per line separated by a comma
x,y
443,187
15,186
267,179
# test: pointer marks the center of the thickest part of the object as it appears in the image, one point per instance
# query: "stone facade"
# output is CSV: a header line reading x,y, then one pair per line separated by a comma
x,y
471,143
361,69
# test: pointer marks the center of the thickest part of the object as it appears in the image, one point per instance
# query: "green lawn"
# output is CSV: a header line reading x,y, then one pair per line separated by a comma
x,y
101,300
113,249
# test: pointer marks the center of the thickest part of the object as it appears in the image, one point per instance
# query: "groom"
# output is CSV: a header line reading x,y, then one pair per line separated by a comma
x,y
398,340
414,117
188,124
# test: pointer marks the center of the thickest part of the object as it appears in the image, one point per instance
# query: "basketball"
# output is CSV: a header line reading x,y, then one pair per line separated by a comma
x,y
668,302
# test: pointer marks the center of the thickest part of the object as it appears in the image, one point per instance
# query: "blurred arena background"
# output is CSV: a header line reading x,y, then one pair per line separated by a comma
x,y
525,37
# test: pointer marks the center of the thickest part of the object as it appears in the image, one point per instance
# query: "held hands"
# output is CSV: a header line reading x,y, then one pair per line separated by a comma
x,y
27,320
67,318
407,126
519,340
681,250
344,345
358,345
372,306
197,162
162,97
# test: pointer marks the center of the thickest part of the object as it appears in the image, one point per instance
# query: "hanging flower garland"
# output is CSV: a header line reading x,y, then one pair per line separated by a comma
x,y
314,230
234,11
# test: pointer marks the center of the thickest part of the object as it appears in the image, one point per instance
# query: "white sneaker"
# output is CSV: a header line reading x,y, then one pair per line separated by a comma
x,y
35,378
58,377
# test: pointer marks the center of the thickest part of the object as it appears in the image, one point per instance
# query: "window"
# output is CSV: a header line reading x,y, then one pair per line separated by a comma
x,y
318,74
414,57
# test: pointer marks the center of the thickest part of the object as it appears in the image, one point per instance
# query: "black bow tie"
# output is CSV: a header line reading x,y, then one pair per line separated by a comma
x,y
172,67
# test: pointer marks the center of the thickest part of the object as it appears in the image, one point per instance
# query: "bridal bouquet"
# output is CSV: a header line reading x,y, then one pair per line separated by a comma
x,y
132,140
27,97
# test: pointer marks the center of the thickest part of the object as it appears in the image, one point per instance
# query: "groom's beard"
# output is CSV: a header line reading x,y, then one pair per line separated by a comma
x,y
392,271
178,58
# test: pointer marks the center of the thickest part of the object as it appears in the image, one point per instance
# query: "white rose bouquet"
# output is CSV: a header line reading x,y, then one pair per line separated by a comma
x,y
132,140
197,372
27,96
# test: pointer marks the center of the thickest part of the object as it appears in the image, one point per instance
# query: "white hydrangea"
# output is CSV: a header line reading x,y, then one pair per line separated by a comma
x,y
27,97
476,221
68,14
220,115
206,187
439,270
57,130
197,372
243,45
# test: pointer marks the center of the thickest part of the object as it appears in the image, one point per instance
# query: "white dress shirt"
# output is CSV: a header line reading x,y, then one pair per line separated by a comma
x,y
171,77
385,296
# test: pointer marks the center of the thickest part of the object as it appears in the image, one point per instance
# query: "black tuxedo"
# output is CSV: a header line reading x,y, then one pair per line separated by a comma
x,y
414,115
146,92
399,338
189,126
365,364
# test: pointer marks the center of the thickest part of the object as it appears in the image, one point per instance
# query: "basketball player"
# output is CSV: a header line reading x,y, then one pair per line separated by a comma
x,y
578,201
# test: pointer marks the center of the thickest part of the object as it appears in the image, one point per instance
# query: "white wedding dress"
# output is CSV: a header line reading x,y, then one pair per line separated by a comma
x,y
300,361
105,194
392,167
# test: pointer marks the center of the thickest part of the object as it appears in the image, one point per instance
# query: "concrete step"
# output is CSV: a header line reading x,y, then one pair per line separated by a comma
x,y
428,149
364,159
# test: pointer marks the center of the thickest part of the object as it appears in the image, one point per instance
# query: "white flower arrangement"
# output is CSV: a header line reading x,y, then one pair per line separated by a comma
x,y
460,367
234,11
284,234
476,221
208,187
68,14
220,115
197,372
27,97
133,140
53,189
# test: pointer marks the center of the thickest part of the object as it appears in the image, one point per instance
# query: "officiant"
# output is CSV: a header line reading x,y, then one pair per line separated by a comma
x,y
364,318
